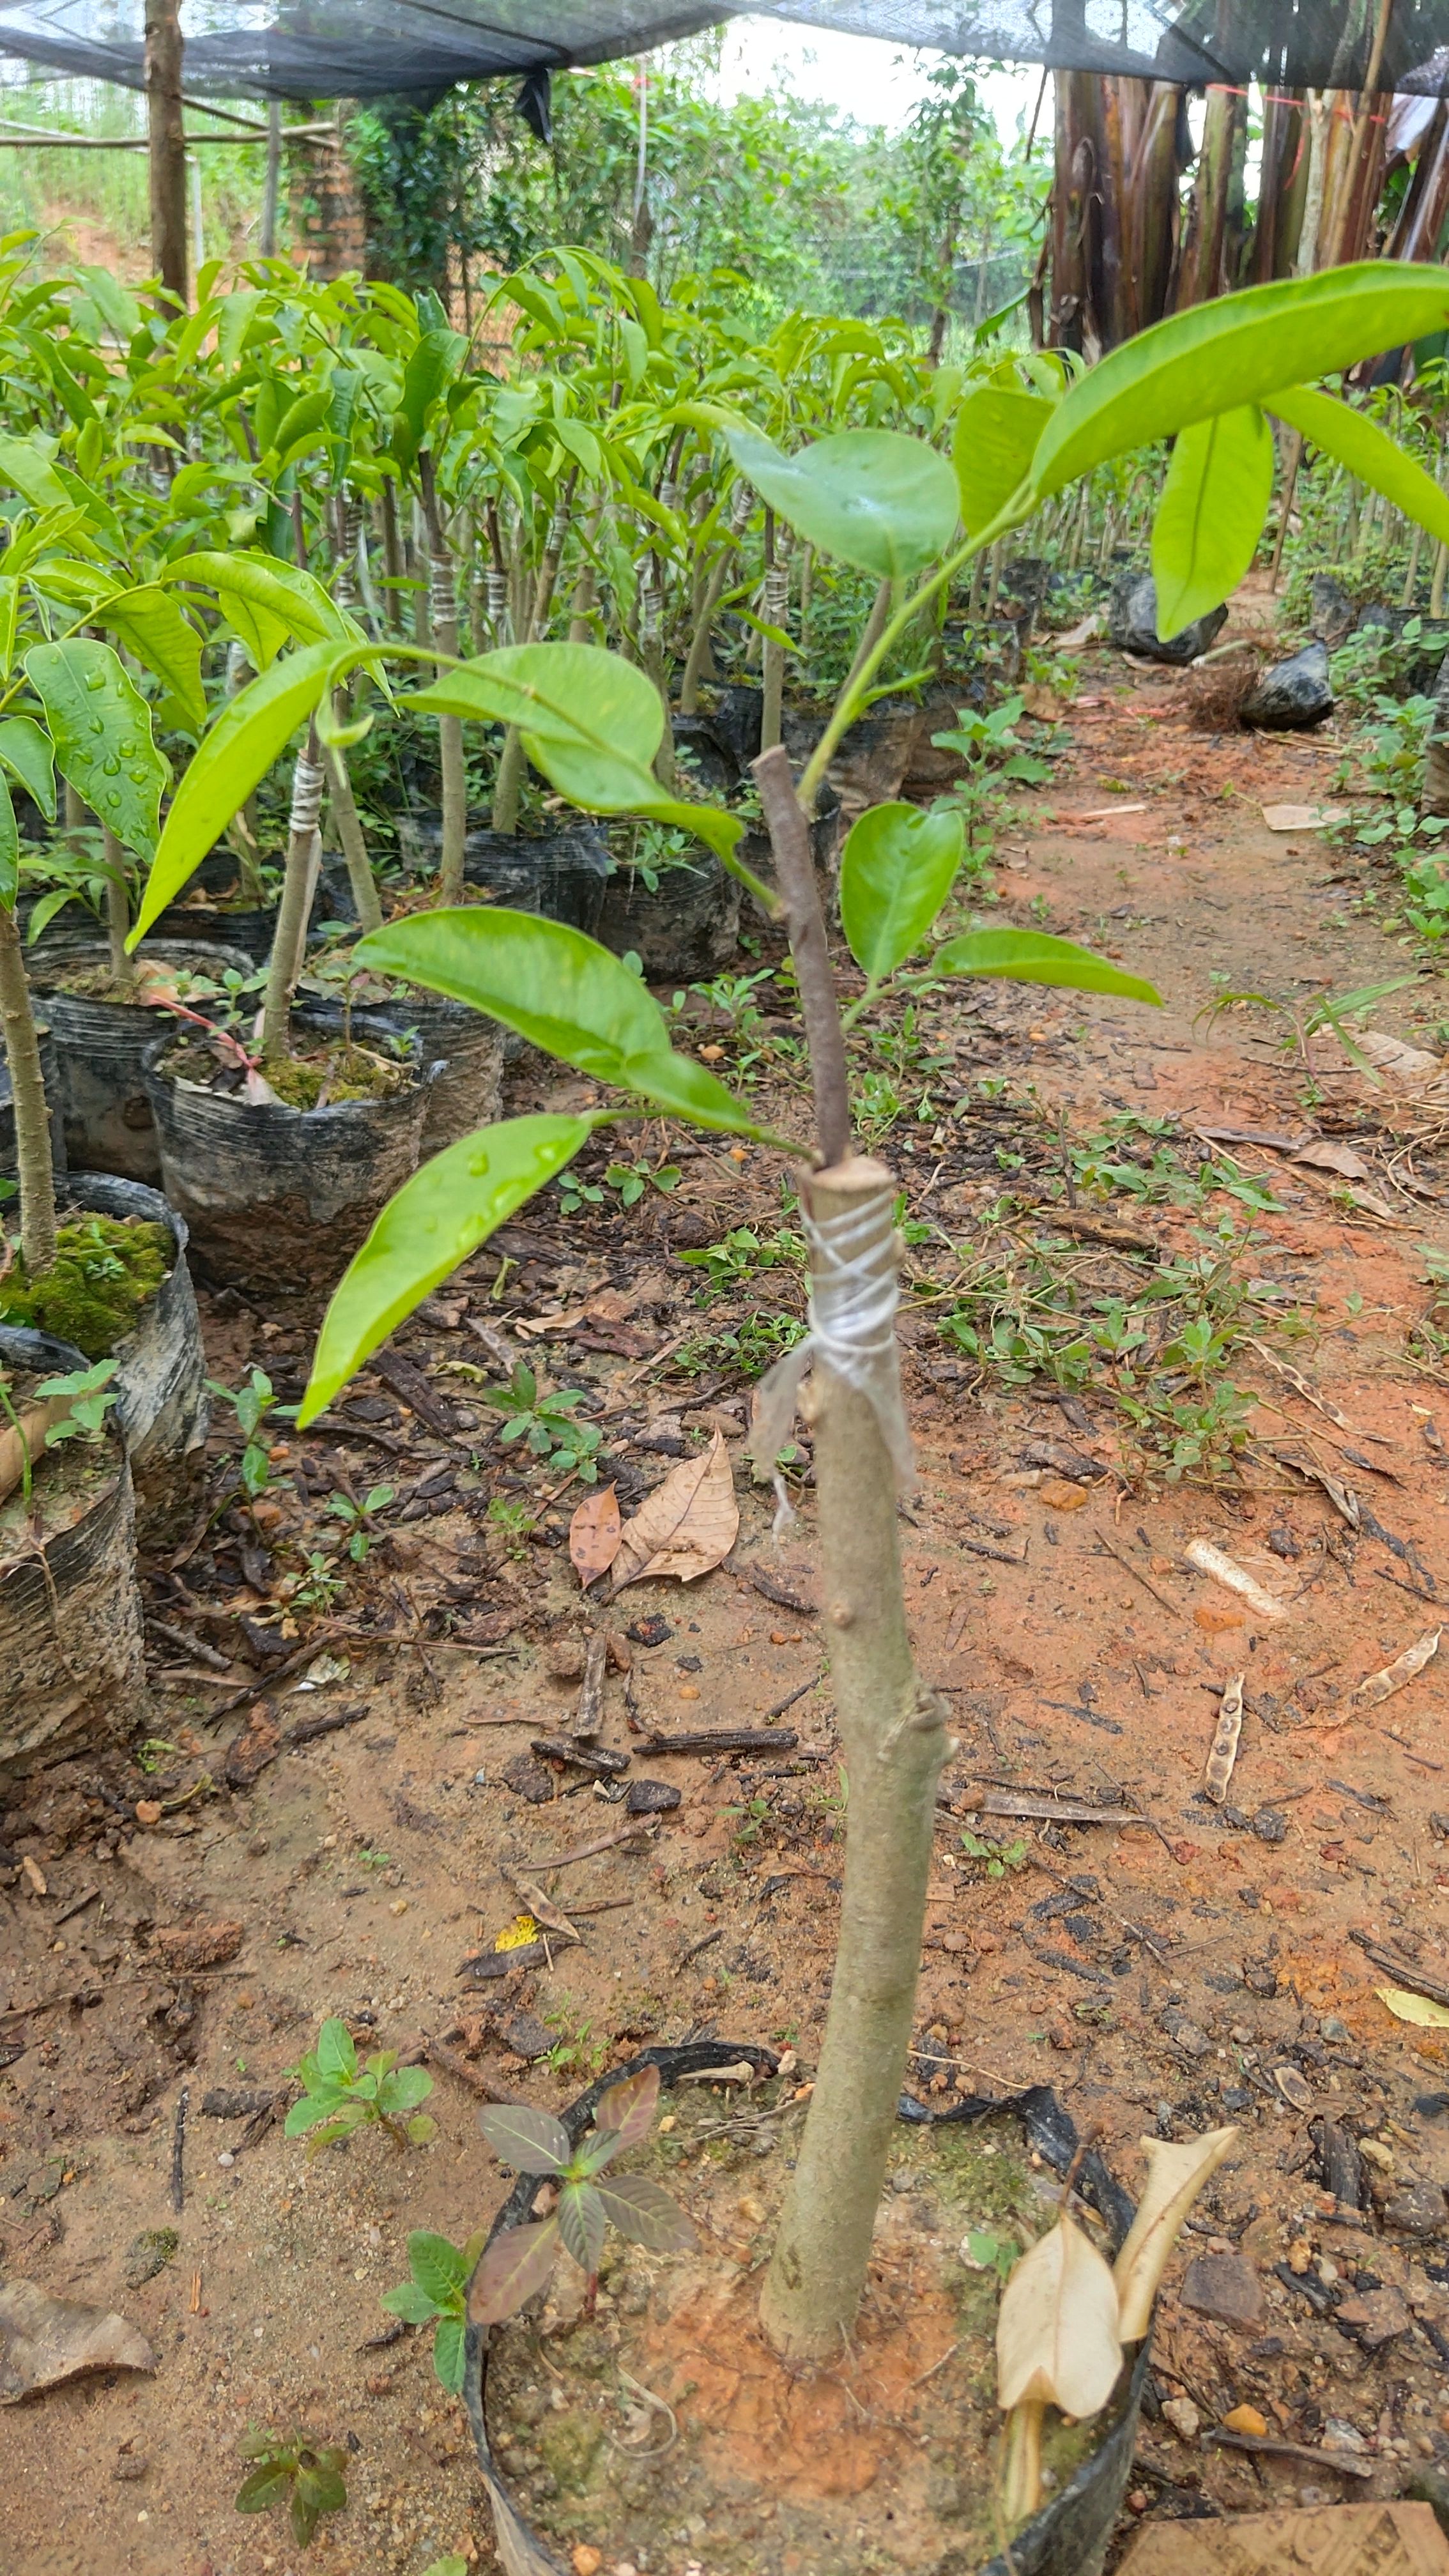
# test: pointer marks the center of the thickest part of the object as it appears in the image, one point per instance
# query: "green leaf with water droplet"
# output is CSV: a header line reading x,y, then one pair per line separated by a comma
x,y
100,726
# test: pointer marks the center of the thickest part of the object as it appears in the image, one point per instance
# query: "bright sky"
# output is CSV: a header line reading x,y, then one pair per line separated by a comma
x,y
872,79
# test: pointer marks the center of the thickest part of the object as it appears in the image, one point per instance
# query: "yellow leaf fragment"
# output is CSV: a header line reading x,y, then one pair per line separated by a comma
x,y
1414,2008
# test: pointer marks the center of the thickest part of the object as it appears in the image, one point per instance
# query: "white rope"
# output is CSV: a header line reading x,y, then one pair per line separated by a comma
x,y
440,588
777,594
651,612
238,667
308,782
854,1294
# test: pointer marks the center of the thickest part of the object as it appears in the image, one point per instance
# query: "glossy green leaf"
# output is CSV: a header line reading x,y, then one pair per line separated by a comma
x,y
409,2086
450,2353
870,497
294,598
997,431
437,2266
1211,515
9,850
429,372
435,1221
561,991
101,728
590,721
1035,957
336,2051
234,756
1236,349
410,2302
896,870
572,696
150,623
25,751
25,463
1368,452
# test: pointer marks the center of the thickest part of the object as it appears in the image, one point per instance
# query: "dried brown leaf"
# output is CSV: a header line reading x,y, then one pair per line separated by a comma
x,y
594,1534
687,1526
1057,2341
1175,2176
1325,1156
45,2341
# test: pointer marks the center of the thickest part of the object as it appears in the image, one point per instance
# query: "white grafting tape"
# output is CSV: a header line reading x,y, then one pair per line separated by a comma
x,y
308,782
854,1294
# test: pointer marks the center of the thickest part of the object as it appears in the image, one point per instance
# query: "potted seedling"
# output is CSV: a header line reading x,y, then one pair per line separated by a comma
x,y
72,1675
96,1264
277,1148
592,725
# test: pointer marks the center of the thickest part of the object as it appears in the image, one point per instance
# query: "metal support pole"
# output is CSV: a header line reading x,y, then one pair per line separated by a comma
x,y
271,193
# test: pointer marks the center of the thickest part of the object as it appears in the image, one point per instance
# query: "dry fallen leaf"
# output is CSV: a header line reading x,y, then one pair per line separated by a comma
x,y
45,2341
594,1535
1413,2008
1200,1552
687,1526
1302,818
1175,2176
1395,1058
1382,1685
1324,1156
1057,2344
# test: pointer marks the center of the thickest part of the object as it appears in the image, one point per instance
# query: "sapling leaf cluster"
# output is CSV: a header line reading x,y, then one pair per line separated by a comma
x,y
588,2199
340,2096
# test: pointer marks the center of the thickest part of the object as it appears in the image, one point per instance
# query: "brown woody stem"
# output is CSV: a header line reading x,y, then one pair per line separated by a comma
x,y
795,868
893,1741
33,1162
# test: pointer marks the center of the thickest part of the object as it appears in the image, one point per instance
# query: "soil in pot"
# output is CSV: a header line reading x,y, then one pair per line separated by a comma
x,y
278,1193
663,2429
687,923
50,1075
100,1033
72,1676
464,1046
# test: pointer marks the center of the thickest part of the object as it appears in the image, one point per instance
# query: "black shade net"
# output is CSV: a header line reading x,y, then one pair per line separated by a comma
x,y
316,49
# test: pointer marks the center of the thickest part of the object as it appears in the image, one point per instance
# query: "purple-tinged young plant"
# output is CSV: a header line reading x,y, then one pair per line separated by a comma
x,y
519,2261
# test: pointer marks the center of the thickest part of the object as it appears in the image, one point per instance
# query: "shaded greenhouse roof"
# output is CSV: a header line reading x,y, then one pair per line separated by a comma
x,y
314,49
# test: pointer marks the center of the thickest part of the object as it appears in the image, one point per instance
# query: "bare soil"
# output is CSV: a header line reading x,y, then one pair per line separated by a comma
x,y
1164,1975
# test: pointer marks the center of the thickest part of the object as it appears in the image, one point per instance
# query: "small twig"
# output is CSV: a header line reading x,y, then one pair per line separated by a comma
x,y
589,1716
78,1904
438,2053
782,1704
789,831
637,1835
190,1645
178,2150
706,1943
1125,1561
